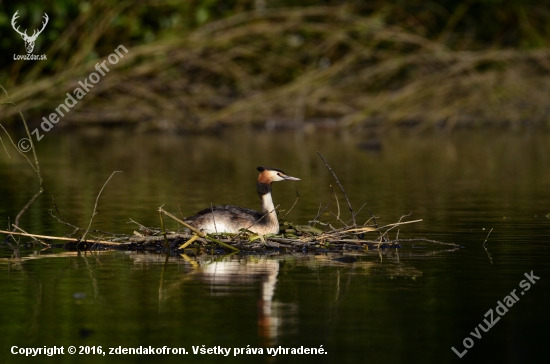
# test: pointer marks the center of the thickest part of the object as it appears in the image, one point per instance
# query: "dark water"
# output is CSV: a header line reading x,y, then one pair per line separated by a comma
x,y
404,305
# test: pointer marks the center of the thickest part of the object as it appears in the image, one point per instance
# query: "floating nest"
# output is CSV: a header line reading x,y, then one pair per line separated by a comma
x,y
292,238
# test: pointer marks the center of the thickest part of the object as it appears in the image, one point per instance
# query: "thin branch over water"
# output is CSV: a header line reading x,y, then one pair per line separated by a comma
x,y
341,187
36,165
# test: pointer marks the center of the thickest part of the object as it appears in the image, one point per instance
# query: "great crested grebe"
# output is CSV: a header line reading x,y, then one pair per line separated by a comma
x,y
230,219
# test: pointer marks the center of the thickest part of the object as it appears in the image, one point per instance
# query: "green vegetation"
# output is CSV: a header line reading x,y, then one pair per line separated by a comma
x,y
202,64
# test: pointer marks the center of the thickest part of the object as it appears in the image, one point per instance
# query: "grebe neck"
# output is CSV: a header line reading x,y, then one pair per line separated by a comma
x,y
268,208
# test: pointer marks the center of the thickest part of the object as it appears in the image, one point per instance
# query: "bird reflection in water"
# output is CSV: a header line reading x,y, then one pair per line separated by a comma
x,y
272,314
224,275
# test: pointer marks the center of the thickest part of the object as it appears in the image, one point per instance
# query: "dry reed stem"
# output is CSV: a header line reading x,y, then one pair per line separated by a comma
x,y
62,220
490,231
399,224
422,239
166,244
294,204
320,212
95,206
341,187
33,238
489,255
327,236
337,203
48,237
188,242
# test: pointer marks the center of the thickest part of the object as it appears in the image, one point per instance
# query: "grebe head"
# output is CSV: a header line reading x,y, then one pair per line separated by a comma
x,y
269,175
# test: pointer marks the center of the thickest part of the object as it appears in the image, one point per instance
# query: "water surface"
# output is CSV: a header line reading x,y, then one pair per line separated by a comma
x,y
392,306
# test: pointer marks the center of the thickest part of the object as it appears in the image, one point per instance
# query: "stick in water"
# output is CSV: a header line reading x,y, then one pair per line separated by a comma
x,y
95,207
341,187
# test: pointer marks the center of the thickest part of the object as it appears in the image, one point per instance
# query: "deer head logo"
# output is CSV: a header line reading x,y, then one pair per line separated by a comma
x,y
29,41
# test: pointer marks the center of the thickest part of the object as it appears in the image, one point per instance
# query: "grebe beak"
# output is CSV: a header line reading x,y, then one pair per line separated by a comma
x,y
289,178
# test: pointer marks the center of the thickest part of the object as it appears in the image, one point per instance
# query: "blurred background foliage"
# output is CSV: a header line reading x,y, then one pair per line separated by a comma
x,y
202,64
